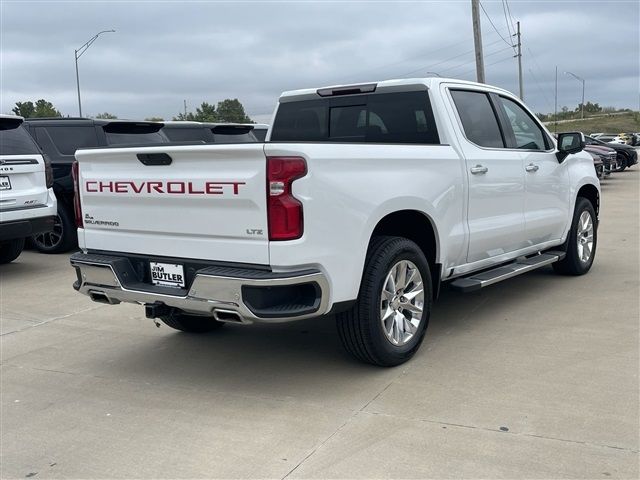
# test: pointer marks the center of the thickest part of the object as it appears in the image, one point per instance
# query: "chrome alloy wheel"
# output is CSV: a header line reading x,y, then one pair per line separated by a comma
x,y
401,302
584,237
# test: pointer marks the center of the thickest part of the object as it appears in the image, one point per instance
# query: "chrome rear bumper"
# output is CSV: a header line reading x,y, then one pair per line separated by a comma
x,y
230,294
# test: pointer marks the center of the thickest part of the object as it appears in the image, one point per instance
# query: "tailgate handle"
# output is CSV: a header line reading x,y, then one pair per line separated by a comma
x,y
154,159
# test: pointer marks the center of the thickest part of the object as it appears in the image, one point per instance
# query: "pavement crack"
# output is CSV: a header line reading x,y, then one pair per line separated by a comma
x,y
53,319
346,422
510,432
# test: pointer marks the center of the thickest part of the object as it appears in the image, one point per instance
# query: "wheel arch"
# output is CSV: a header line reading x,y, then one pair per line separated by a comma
x,y
418,227
591,193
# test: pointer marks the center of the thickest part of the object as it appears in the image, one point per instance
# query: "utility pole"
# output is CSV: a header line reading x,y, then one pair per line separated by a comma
x,y
185,109
477,40
580,79
519,55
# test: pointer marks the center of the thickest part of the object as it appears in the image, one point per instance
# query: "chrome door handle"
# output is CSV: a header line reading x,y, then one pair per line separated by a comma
x,y
532,168
479,169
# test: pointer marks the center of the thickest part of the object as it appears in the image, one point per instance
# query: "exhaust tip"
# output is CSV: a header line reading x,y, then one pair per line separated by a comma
x,y
227,316
100,297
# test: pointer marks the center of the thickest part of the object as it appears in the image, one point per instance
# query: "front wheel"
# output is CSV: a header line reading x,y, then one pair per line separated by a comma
x,y
10,250
581,244
388,322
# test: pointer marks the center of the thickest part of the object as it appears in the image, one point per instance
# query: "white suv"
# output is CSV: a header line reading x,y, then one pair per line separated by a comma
x,y
27,202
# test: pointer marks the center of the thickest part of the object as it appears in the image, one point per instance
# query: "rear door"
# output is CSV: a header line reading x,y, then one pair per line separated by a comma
x,y
22,169
548,198
202,202
496,178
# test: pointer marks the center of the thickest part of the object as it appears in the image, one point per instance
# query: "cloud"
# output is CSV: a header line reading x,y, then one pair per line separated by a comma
x,y
167,52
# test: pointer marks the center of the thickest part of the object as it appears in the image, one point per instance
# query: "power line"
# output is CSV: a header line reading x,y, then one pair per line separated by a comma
x,y
408,59
511,17
430,67
494,63
506,20
467,63
494,27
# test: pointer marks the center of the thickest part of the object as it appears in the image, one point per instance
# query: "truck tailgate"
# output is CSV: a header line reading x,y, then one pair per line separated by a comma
x,y
198,201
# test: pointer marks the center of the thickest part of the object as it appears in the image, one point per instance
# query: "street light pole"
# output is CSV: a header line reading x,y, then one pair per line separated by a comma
x,y
78,54
580,80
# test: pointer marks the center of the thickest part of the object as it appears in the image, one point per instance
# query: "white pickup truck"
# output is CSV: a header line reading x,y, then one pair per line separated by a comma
x,y
361,203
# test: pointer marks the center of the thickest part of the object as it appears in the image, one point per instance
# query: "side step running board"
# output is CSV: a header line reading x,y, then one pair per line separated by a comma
x,y
476,281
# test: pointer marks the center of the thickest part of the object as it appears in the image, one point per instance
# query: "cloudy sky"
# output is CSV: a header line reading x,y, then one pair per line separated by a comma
x,y
164,52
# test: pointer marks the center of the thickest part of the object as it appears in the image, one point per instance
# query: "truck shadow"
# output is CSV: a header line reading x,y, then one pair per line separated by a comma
x,y
305,359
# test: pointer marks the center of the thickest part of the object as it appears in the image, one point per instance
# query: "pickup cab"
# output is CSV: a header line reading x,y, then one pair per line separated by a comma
x,y
364,200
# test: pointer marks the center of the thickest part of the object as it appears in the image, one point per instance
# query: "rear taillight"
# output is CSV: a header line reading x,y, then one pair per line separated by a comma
x,y
48,171
284,211
75,174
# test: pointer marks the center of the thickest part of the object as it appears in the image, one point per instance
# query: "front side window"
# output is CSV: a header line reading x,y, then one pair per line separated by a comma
x,y
528,135
478,118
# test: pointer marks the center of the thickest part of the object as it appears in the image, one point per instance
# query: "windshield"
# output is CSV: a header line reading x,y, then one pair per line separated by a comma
x,y
15,140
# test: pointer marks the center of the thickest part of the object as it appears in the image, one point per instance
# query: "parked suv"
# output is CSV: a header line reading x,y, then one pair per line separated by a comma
x,y
27,202
59,138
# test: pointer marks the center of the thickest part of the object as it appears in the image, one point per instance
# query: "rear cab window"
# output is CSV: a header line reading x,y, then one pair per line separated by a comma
x,y
132,133
15,140
402,117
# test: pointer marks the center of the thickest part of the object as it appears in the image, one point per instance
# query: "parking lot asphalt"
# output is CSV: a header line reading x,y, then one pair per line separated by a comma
x,y
536,377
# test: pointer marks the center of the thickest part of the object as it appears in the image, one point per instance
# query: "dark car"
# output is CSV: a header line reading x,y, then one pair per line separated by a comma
x,y
59,138
209,132
598,164
260,131
606,155
626,155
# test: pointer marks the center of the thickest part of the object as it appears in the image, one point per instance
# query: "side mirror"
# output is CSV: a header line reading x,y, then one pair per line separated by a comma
x,y
568,143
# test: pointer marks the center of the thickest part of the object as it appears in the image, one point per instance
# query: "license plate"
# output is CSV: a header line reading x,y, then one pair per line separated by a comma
x,y
167,274
5,183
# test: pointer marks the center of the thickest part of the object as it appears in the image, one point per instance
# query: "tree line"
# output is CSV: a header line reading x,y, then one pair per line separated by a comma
x,y
590,108
229,110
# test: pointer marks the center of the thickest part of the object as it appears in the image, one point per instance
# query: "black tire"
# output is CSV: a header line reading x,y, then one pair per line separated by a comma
x,y
191,323
10,250
572,264
623,162
360,328
64,236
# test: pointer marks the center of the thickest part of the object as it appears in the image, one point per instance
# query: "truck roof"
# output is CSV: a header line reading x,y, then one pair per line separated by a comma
x,y
385,86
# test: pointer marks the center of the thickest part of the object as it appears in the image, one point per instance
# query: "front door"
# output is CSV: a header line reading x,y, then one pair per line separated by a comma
x,y
547,198
495,212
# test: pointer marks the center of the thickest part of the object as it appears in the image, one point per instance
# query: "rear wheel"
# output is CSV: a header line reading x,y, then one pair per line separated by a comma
x,y
388,322
10,250
62,238
583,238
191,323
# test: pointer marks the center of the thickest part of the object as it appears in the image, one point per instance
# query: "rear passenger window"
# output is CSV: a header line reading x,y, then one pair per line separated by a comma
x,y
69,139
403,117
528,135
478,118
14,139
